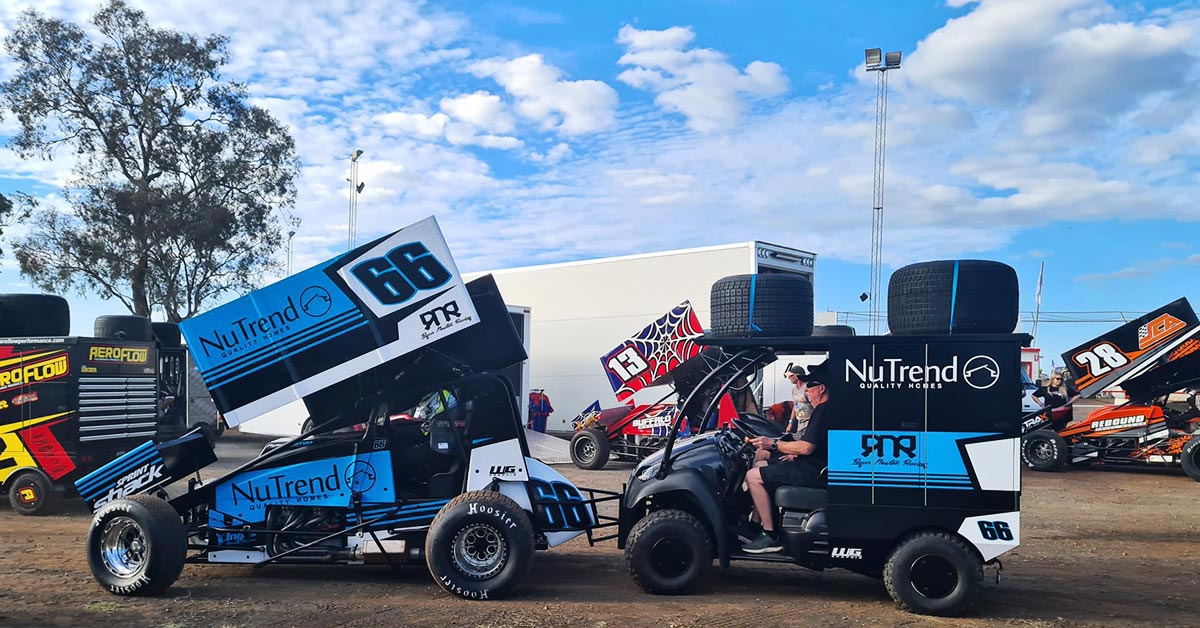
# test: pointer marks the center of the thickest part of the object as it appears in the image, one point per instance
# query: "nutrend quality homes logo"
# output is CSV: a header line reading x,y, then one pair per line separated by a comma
x,y
248,332
30,369
980,372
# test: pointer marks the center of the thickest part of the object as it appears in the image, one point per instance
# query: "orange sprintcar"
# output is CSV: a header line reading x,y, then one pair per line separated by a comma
x,y
1149,358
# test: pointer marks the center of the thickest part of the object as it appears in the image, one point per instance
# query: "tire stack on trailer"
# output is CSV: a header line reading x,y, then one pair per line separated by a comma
x,y
31,491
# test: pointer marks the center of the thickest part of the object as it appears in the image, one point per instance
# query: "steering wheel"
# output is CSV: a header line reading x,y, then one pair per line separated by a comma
x,y
757,426
740,428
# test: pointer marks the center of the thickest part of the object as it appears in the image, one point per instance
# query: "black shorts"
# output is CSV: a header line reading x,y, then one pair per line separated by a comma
x,y
790,473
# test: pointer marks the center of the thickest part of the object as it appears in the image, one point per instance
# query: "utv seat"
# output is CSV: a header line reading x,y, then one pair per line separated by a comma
x,y
800,498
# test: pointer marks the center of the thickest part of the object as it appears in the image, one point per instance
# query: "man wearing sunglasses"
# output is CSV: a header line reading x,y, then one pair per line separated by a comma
x,y
792,463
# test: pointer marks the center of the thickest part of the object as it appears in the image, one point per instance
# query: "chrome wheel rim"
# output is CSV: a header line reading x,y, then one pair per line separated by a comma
x,y
479,551
123,547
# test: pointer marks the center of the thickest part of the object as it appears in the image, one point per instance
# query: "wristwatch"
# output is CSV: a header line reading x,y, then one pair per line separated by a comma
x,y
775,445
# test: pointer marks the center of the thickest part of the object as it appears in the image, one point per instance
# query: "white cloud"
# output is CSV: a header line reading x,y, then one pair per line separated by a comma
x,y
568,107
415,124
698,83
481,109
555,154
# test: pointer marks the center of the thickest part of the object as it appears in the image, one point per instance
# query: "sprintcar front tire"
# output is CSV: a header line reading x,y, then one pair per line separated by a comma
x,y
480,545
933,573
590,449
1190,458
1043,450
137,546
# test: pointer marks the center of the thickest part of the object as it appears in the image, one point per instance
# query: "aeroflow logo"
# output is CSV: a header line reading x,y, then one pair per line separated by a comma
x,y
980,372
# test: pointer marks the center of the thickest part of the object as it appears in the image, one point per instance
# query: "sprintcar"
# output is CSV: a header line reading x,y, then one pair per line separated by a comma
x,y
361,340
923,478
662,354
1150,358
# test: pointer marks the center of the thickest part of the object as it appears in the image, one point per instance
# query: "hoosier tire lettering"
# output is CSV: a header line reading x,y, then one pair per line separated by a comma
x,y
480,545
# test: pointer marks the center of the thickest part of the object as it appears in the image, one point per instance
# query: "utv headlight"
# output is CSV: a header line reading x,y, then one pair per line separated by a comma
x,y
647,472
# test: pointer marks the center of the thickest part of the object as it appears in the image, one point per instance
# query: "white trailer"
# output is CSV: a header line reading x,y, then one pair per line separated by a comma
x,y
583,309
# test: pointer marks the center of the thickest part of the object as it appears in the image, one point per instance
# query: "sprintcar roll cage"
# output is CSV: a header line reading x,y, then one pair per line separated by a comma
x,y
923,475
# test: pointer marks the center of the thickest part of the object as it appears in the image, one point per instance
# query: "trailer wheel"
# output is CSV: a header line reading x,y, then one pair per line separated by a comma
x,y
34,315
1191,458
124,327
668,551
762,305
832,330
1043,450
933,573
590,449
137,545
480,545
31,493
953,296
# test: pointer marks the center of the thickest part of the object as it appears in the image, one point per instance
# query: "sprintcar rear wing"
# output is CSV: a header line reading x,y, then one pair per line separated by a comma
x,y
649,356
1149,356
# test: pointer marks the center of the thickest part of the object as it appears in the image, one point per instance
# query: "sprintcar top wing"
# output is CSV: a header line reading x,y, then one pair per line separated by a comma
x,y
1156,352
649,356
268,350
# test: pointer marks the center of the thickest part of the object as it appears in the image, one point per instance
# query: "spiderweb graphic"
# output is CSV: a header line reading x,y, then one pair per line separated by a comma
x,y
661,347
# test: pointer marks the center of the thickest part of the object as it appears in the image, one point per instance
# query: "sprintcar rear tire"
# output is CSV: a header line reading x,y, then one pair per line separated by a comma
x,y
167,334
480,545
762,305
953,296
668,550
590,449
933,573
30,493
137,545
1190,458
124,327
832,330
1043,450
34,315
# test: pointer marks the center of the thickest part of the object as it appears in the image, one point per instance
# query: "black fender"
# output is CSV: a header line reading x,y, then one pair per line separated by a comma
x,y
684,489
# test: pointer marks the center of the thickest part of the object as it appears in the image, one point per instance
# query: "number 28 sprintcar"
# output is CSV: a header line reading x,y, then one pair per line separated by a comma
x,y
1149,358
361,341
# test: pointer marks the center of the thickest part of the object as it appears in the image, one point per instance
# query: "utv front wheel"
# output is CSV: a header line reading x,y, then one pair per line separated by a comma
x,y
590,449
137,545
30,493
480,545
1043,450
933,573
668,551
1191,458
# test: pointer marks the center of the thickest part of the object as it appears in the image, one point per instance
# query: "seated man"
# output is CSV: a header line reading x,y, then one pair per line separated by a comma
x,y
792,463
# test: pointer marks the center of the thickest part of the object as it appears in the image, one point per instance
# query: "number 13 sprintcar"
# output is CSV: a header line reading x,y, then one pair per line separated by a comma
x,y
358,341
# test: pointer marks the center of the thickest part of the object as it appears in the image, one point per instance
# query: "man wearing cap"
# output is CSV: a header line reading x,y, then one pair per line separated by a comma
x,y
801,409
795,463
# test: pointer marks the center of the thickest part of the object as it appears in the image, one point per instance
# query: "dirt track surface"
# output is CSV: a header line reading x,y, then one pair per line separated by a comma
x,y
1100,547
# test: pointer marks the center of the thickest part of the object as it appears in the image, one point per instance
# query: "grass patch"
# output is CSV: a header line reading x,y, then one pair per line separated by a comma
x,y
106,608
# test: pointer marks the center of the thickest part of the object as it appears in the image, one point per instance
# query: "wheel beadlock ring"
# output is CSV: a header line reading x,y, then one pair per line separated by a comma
x,y
938,576
479,551
123,547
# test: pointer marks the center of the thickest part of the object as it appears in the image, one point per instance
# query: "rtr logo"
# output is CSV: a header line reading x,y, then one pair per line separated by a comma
x,y
878,444
439,315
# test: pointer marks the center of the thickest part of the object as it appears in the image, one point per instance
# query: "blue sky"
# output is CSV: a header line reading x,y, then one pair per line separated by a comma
x,y
1027,131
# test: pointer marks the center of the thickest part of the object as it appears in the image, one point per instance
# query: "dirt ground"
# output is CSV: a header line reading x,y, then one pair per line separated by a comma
x,y
1100,547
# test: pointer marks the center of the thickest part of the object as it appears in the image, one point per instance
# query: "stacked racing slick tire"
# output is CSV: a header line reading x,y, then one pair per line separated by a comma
x,y
123,327
137,545
825,331
167,334
953,297
744,306
34,315
480,545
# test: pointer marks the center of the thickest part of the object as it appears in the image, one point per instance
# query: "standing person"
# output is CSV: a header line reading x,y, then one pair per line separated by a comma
x,y
1059,396
797,463
801,408
539,409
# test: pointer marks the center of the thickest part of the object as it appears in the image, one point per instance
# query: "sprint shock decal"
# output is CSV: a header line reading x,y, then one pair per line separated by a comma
x,y
653,352
268,350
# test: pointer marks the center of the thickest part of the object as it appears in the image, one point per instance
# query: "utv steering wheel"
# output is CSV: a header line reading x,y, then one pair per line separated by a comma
x,y
754,426
742,429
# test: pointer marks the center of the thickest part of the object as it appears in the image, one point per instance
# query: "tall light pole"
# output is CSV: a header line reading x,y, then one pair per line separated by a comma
x,y
293,226
356,188
881,63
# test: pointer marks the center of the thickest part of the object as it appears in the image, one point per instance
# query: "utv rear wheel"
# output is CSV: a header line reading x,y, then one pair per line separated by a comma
x,y
590,449
933,573
668,551
480,545
31,493
137,545
1191,458
1043,450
